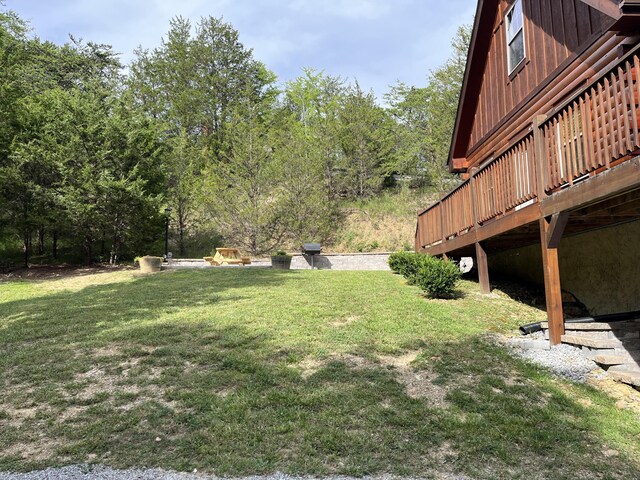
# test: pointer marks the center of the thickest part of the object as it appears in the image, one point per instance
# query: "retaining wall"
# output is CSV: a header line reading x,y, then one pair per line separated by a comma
x,y
341,261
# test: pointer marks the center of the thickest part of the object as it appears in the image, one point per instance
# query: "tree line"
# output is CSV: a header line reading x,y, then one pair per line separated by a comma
x,y
92,153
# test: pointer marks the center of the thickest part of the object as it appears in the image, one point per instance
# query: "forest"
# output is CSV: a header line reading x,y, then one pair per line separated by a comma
x,y
95,155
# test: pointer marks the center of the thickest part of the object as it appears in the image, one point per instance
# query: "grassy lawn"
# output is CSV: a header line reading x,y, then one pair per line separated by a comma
x,y
251,371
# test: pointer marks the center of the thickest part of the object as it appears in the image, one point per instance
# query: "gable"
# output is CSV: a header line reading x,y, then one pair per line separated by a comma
x,y
554,30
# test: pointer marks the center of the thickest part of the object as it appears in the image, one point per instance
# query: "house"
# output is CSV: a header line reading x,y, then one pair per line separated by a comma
x,y
547,143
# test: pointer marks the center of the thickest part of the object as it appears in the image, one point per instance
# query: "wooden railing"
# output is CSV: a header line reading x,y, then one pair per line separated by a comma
x,y
457,211
506,182
500,186
594,131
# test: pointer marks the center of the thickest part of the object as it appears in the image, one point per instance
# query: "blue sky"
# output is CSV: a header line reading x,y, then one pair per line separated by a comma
x,y
377,42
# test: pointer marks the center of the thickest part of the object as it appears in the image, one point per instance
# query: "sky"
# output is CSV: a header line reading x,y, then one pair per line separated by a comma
x,y
377,42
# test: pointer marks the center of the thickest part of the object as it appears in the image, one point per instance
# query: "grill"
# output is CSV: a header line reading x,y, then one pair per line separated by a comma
x,y
311,249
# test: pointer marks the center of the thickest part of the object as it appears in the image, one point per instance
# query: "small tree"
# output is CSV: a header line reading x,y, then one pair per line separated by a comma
x,y
239,193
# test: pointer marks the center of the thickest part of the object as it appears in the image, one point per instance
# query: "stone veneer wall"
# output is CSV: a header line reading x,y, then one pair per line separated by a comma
x,y
601,268
336,261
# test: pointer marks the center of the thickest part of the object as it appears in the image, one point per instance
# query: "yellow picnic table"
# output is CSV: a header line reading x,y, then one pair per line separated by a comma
x,y
228,256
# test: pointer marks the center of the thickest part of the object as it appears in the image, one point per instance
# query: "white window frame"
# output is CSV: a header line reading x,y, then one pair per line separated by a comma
x,y
516,3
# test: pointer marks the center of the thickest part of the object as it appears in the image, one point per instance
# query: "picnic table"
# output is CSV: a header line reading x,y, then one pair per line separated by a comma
x,y
228,256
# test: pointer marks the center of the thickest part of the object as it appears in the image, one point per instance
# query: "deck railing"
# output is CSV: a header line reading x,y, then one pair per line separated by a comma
x,y
594,131
506,182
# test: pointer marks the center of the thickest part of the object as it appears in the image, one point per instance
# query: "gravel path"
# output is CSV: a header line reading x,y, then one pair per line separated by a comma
x,y
96,472
563,360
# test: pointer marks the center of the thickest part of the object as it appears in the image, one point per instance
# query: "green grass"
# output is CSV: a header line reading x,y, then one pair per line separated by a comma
x,y
250,371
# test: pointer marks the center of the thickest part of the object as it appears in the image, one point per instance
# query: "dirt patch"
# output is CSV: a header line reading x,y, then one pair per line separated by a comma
x,y
418,383
309,366
399,361
49,272
15,417
35,450
626,397
344,321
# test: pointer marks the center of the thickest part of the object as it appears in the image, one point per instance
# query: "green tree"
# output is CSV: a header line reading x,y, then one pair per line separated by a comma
x,y
239,193
426,116
309,214
366,138
314,101
190,86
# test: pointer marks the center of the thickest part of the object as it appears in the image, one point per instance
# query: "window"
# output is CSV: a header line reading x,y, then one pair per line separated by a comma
x,y
515,36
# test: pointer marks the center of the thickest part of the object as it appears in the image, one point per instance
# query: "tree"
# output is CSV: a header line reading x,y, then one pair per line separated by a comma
x,y
240,193
426,116
80,159
366,138
309,214
190,86
314,101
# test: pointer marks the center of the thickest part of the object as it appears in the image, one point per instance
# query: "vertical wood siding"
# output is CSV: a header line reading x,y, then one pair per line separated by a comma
x,y
554,31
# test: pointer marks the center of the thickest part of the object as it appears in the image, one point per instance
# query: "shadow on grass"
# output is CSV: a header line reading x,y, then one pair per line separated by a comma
x,y
509,419
79,316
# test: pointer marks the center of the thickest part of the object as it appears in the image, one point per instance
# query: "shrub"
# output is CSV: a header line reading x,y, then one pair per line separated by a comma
x,y
438,277
435,276
399,261
407,264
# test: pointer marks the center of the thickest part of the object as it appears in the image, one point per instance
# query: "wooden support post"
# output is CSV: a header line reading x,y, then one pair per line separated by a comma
x,y
550,234
481,254
483,269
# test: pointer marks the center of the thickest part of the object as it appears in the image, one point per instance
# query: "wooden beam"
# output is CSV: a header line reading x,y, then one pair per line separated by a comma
x,y
542,167
483,269
556,228
617,180
618,203
552,289
459,163
608,7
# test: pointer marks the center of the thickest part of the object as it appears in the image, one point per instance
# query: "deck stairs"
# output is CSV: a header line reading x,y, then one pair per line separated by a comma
x,y
615,346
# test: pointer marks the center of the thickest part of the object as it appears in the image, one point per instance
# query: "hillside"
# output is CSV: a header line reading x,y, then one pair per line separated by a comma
x,y
383,223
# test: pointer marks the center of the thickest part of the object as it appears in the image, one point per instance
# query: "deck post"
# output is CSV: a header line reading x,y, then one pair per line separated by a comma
x,y
550,234
444,239
481,254
541,156
483,269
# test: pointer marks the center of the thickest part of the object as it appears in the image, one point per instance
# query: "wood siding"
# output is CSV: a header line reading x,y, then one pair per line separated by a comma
x,y
555,31
587,150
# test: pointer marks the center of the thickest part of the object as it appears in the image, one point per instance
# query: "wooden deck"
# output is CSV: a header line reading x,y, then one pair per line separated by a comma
x,y
573,170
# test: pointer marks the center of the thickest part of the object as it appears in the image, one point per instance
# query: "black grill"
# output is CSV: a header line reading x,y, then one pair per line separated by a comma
x,y
311,249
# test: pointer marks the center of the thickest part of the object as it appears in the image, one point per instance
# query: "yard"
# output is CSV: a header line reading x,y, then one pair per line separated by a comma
x,y
250,371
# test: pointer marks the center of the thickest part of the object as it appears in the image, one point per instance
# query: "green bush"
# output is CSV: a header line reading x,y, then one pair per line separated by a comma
x,y
438,277
407,264
435,276
399,261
